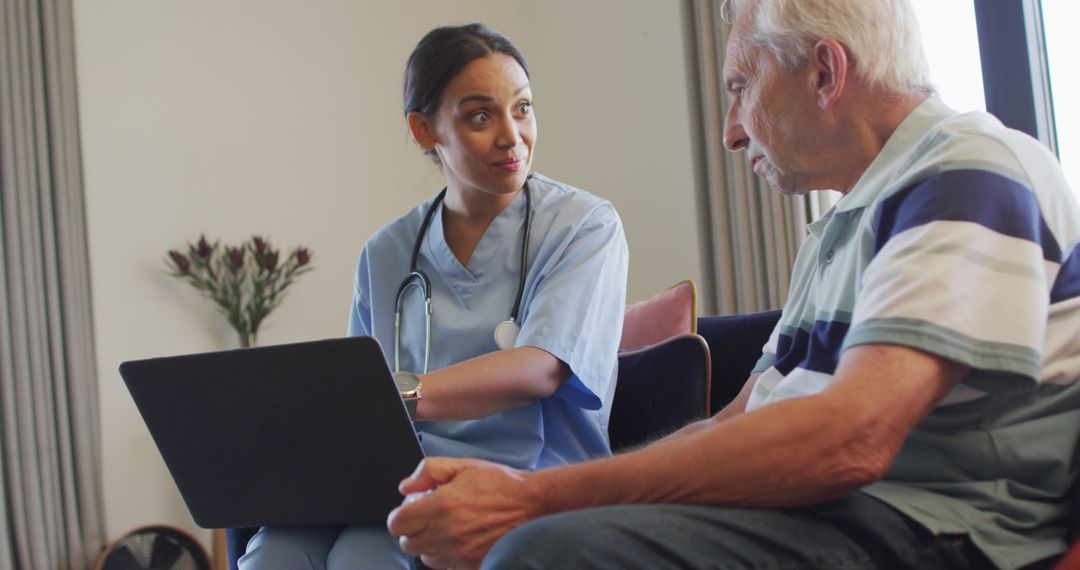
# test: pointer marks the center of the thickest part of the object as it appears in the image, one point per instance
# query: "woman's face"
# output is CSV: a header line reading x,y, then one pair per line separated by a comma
x,y
484,129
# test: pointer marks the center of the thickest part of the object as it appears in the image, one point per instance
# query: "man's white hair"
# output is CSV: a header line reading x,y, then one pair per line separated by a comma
x,y
882,37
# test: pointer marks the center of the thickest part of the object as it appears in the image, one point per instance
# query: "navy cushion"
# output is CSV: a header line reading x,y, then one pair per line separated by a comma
x,y
661,388
735,343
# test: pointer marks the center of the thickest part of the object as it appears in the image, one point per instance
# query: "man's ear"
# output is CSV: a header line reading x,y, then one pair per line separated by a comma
x,y
832,66
422,129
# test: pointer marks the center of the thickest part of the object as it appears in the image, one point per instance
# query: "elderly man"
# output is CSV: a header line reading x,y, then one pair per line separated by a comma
x,y
918,404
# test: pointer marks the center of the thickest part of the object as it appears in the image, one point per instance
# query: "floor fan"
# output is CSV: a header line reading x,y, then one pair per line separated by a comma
x,y
154,548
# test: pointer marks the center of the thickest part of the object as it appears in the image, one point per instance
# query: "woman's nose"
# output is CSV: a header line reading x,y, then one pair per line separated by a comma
x,y
508,136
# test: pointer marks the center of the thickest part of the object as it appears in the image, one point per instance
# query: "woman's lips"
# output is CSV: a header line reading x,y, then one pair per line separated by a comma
x,y
509,165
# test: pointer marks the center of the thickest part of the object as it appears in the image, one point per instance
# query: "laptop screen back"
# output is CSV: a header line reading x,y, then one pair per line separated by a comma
x,y
296,434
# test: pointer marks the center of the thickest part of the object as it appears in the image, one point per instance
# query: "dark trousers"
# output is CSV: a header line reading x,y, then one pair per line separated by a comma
x,y
853,533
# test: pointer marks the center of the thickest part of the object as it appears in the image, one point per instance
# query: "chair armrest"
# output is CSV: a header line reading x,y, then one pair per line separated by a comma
x,y
660,388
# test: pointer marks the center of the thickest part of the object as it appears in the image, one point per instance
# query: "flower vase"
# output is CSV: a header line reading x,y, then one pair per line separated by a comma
x,y
247,340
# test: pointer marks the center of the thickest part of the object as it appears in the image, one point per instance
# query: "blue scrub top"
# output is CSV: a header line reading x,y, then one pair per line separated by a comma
x,y
572,307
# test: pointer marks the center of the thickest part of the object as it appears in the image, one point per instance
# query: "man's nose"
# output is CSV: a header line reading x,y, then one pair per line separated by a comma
x,y
735,137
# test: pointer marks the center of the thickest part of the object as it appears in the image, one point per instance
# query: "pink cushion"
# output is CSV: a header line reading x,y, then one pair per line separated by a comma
x,y
668,313
1071,560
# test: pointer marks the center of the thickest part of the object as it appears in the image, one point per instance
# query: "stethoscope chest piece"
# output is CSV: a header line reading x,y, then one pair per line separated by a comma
x,y
506,334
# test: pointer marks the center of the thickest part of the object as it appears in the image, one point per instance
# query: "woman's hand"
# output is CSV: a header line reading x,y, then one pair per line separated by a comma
x,y
455,510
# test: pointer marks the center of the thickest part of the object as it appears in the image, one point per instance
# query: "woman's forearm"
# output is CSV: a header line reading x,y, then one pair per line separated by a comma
x,y
489,384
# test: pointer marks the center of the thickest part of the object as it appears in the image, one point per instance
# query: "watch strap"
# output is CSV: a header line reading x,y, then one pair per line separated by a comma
x,y
410,405
409,396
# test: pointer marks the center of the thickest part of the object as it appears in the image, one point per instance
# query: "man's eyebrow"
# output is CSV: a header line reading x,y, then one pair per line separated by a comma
x,y
486,98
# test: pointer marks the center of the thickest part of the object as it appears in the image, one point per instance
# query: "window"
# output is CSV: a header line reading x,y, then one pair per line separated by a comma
x,y
1022,51
951,40
1062,44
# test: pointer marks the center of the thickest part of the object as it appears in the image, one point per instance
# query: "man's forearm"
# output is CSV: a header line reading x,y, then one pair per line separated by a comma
x,y
794,452
759,459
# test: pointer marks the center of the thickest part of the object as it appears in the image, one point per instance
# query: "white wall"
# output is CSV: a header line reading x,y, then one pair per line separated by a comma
x,y
284,118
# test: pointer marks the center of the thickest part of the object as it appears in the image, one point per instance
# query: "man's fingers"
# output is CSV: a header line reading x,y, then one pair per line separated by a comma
x,y
416,544
443,517
436,562
407,520
430,473
409,545
417,478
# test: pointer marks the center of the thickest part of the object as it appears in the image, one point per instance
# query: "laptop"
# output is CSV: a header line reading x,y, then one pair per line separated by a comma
x,y
295,434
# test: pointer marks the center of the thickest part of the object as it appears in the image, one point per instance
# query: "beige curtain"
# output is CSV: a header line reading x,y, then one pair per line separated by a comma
x,y
753,232
49,430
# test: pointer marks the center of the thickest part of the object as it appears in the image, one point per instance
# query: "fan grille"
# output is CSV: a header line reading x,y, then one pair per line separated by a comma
x,y
156,548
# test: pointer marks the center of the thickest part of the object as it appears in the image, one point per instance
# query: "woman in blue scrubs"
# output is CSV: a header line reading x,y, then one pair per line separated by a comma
x,y
543,397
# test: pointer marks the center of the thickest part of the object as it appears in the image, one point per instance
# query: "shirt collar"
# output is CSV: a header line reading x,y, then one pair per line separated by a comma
x,y
897,149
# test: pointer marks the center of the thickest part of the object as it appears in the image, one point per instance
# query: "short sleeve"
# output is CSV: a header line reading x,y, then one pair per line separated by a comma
x,y
769,351
575,311
763,363
960,269
360,311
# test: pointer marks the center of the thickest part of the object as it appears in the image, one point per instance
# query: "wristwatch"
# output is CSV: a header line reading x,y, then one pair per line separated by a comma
x,y
409,385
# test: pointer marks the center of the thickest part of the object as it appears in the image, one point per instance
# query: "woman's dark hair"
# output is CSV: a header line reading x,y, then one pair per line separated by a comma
x,y
444,52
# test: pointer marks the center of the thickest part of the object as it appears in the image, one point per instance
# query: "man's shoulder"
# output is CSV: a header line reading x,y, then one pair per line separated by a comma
x,y
975,141
975,148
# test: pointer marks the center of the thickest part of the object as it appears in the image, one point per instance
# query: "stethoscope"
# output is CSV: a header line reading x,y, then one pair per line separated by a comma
x,y
506,332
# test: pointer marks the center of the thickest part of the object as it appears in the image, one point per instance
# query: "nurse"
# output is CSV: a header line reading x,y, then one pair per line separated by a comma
x,y
501,247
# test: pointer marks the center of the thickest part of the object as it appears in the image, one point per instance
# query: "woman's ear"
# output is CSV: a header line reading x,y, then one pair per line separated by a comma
x,y
422,129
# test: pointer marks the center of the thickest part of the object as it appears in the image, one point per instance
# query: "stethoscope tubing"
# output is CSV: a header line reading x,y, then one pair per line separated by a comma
x,y
419,279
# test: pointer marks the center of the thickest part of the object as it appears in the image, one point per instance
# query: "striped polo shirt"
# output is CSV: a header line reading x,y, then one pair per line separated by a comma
x,y
959,240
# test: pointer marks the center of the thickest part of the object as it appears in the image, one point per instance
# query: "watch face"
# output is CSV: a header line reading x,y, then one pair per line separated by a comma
x,y
406,382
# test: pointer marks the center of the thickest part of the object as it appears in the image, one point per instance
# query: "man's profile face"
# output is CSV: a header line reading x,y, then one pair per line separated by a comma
x,y
772,114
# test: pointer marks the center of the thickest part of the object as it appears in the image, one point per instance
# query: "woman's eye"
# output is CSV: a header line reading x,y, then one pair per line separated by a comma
x,y
479,118
524,108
